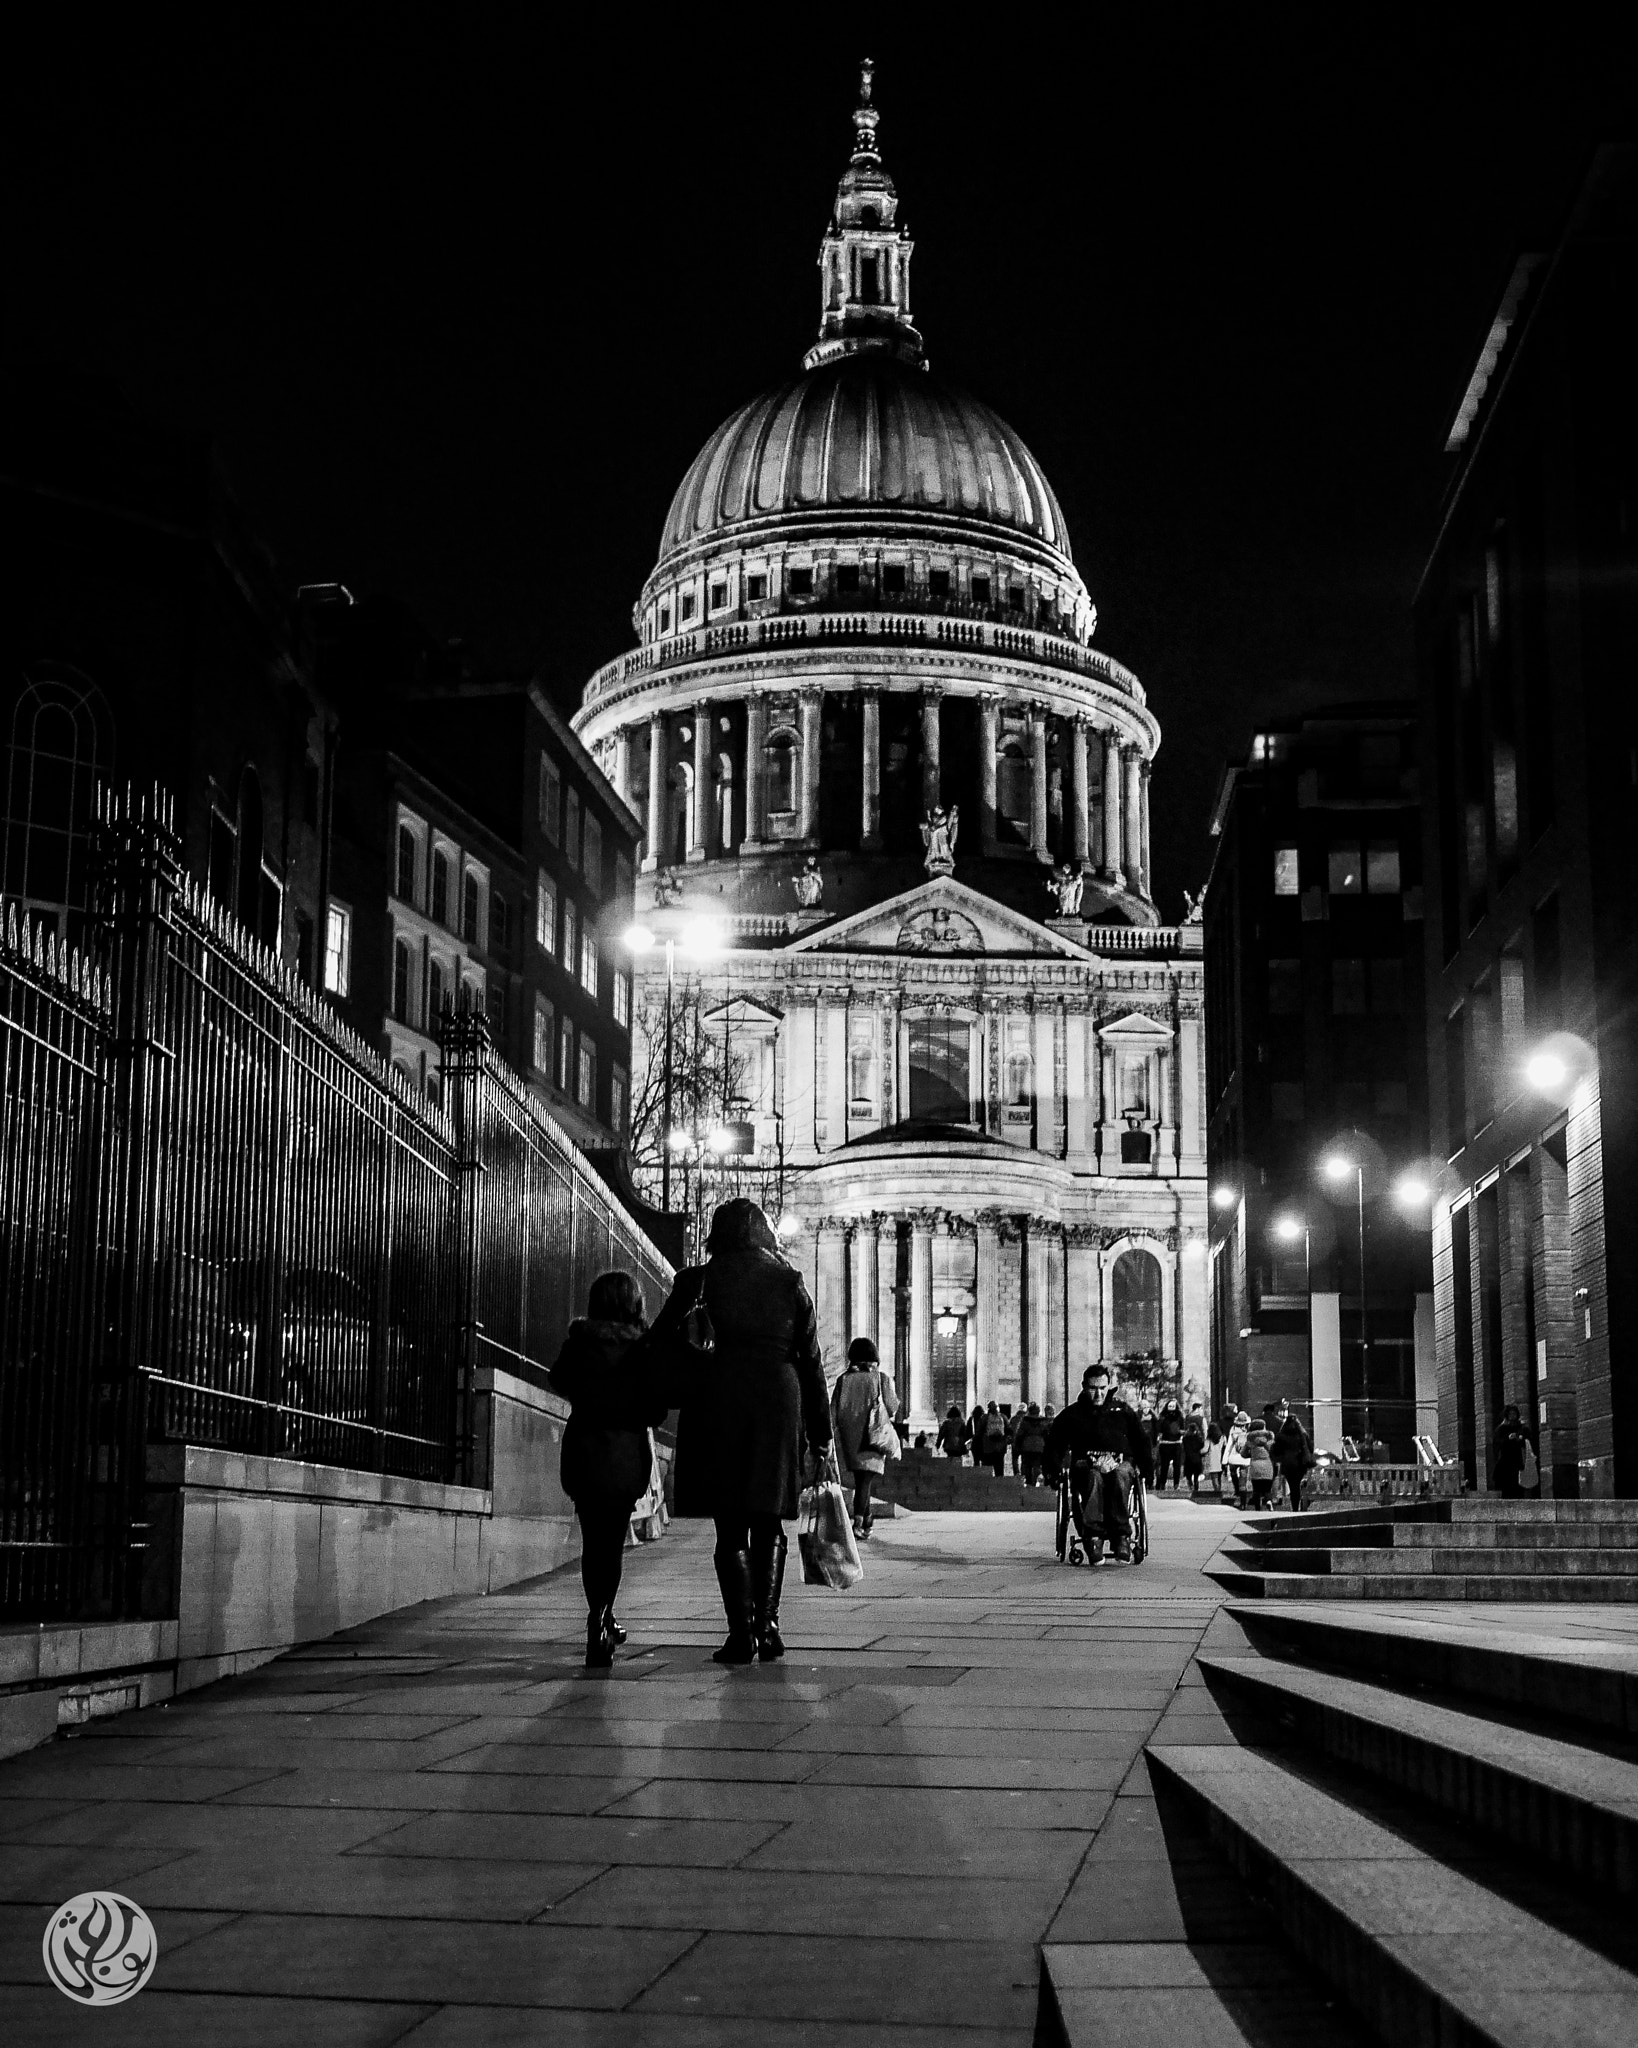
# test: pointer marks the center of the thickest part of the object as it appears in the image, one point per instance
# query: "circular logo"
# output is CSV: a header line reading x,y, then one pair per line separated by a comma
x,y
100,1948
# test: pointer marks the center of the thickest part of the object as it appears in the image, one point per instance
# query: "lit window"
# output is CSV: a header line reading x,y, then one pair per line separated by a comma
x,y
440,887
571,828
551,794
469,908
685,605
1285,871
756,588
406,865
719,596
591,854
545,913
338,949
565,1055
622,998
1382,870
543,1037
586,1088
588,963
1345,875
571,936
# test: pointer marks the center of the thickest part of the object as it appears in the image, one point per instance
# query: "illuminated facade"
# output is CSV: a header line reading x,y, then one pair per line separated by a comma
x,y
870,738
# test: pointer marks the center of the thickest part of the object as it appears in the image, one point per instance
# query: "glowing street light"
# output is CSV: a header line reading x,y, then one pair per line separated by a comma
x,y
1546,1072
787,1226
1289,1228
1337,1166
639,939
1410,1191
1224,1197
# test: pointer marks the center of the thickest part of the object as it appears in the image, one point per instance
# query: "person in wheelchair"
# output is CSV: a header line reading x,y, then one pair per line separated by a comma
x,y
1104,1447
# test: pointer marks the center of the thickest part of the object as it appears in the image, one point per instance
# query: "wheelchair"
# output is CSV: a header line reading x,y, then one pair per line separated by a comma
x,y
1071,1537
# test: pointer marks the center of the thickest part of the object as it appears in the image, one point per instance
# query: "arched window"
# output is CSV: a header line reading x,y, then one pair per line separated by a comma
x,y
1020,1079
1012,792
1135,1287
61,743
782,759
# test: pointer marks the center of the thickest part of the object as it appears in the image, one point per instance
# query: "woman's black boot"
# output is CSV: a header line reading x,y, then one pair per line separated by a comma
x,y
615,1628
599,1644
734,1578
769,1573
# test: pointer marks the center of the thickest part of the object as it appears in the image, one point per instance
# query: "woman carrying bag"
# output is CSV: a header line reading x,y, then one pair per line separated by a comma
x,y
861,1414
738,1354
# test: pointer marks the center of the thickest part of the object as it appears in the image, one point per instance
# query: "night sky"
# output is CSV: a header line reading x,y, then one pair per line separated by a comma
x,y
461,301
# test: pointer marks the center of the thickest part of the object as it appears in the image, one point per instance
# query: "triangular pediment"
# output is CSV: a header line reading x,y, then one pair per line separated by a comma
x,y
740,1013
1136,1028
940,916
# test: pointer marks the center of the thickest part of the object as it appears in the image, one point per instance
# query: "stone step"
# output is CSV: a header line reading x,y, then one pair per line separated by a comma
x,y
921,1484
1567,1807
1261,1584
1573,1560
1418,1950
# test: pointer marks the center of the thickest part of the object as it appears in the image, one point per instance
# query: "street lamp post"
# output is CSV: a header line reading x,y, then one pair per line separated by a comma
x,y
1288,1229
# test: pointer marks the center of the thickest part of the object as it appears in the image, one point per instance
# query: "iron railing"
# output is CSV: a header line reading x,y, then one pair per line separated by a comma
x,y
225,1220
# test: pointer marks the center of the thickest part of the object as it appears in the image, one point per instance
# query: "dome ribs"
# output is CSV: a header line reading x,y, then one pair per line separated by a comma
x,y
782,409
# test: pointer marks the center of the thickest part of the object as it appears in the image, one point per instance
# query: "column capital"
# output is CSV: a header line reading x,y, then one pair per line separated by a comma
x,y
922,1221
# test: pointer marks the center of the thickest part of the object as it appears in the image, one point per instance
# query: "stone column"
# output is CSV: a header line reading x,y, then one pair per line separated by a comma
x,y
702,783
756,788
622,763
1008,1367
1132,823
809,819
870,813
656,789
1054,1386
1038,784
831,1302
989,745
1144,835
1036,1380
921,1318
929,750
865,1285
1083,1341
1081,800
1111,809
987,1281
887,1304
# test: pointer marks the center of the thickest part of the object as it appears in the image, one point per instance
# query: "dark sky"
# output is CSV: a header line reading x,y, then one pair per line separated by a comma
x,y
461,299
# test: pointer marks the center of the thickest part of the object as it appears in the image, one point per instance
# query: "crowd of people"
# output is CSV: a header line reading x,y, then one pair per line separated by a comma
x,y
735,1353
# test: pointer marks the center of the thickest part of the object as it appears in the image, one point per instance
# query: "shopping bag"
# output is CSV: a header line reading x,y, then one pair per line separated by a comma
x,y
830,1556
1530,1472
649,1515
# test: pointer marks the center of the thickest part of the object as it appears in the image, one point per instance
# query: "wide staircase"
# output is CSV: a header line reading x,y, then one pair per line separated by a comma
x,y
1438,1820
1477,1548
923,1481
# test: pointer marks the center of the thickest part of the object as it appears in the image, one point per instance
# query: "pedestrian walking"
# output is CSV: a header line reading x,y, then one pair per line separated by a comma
x,y
1194,1448
975,1432
994,1440
853,1405
1512,1440
1260,1463
1235,1459
953,1434
1029,1444
1293,1452
608,1453
1169,1446
1212,1462
749,1404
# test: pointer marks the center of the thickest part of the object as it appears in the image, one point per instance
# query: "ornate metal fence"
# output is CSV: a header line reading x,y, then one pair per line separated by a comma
x,y
224,1220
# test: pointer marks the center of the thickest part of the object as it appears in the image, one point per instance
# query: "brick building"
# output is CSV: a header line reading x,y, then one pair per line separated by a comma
x,y
1527,646
1314,1049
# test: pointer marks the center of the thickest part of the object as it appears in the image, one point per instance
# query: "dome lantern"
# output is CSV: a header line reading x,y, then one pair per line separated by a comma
x,y
864,258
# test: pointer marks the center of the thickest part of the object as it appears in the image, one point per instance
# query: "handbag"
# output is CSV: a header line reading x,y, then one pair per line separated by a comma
x,y
676,1360
879,1434
830,1556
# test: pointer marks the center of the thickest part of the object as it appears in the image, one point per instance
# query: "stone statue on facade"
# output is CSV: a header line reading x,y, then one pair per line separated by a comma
x,y
809,885
1194,908
1066,884
938,835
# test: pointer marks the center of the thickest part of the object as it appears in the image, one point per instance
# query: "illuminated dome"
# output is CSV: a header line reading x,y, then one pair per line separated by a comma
x,y
864,431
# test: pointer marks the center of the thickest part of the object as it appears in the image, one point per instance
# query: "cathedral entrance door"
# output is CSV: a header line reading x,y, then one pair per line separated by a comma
x,y
949,1365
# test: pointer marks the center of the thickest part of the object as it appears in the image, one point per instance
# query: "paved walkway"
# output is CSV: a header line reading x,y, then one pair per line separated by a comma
x,y
439,1829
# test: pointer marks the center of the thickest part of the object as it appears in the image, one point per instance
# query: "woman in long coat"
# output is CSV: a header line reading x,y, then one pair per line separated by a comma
x,y
607,1455
746,1409
851,1407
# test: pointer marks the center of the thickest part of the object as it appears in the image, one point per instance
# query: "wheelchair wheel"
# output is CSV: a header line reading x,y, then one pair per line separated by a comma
x,y
1065,1532
1140,1523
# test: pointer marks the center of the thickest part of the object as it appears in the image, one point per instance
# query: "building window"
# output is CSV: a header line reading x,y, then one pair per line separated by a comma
x,y
1348,988
1134,1084
571,828
500,925
981,590
1285,988
588,963
551,797
893,578
801,583
591,854
665,618
1015,598
756,588
782,773
469,907
543,1037
938,583
546,913
571,936
435,996
719,596
847,579
1012,787
586,1088
622,999
862,1045
338,949
1382,869
1344,873
440,887
939,1087
1285,871
685,605
565,1056
1135,1290
617,1101
495,1004
401,981
406,865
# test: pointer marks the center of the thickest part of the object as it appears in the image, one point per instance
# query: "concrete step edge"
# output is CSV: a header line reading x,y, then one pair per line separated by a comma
x,y
1404,1987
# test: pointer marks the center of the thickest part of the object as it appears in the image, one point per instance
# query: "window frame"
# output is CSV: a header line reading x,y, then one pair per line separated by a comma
x,y
338,946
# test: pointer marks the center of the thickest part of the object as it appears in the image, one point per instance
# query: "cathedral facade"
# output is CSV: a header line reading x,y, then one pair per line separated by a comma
x,y
875,748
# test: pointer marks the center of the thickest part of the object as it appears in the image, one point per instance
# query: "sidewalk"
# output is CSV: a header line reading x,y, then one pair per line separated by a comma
x,y
439,1829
